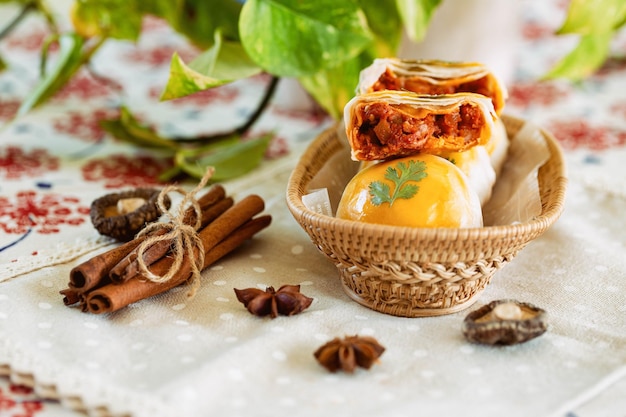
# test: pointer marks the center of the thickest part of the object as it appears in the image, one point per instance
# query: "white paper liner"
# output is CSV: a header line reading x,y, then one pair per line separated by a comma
x,y
516,195
318,201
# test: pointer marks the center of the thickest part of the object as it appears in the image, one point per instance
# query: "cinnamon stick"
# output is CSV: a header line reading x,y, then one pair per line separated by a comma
x,y
129,266
211,235
215,194
96,270
90,273
230,220
113,297
234,240
70,296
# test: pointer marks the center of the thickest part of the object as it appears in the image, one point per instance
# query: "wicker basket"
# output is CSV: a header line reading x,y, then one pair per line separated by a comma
x,y
417,272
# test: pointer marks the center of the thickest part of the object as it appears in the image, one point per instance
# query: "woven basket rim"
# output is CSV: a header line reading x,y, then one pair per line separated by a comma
x,y
310,163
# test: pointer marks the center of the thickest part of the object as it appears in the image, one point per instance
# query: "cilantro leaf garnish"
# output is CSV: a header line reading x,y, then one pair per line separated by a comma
x,y
400,176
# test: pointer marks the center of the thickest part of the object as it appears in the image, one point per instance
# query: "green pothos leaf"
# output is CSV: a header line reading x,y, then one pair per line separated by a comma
x,y
584,59
597,22
332,88
3,65
294,38
231,158
223,63
385,23
119,19
198,19
416,15
128,129
69,60
588,17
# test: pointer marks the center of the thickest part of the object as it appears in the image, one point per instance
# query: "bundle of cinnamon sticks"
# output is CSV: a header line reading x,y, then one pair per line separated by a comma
x,y
114,279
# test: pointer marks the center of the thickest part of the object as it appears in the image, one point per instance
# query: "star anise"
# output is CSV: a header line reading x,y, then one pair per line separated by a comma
x,y
287,301
348,353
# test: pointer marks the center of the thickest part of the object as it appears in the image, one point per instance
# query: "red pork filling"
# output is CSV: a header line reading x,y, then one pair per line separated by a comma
x,y
390,81
385,131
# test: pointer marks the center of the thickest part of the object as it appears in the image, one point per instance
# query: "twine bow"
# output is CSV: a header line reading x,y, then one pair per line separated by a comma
x,y
184,237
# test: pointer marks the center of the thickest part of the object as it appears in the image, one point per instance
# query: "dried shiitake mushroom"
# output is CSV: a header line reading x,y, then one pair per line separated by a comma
x,y
504,322
122,215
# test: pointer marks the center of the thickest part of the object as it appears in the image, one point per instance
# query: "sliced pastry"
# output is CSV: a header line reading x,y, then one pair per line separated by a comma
x,y
432,77
387,124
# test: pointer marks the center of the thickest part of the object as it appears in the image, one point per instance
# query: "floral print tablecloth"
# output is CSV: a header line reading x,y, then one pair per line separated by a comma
x,y
173,356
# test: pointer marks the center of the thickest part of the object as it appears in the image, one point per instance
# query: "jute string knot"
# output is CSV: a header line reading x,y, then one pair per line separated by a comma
x,y
185,243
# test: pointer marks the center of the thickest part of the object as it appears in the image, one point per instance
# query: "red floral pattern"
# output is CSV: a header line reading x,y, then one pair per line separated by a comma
x,y
6,402
578,133
8,108
534,31
277,147
42,213
619,109
84,86
19,407
16,162
20,390
316,115
528,94
85,126
31,41
161,55
118,171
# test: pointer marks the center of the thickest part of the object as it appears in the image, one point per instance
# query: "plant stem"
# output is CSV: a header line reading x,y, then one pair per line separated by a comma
x,y
267,96
28,7
269,92
47,14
